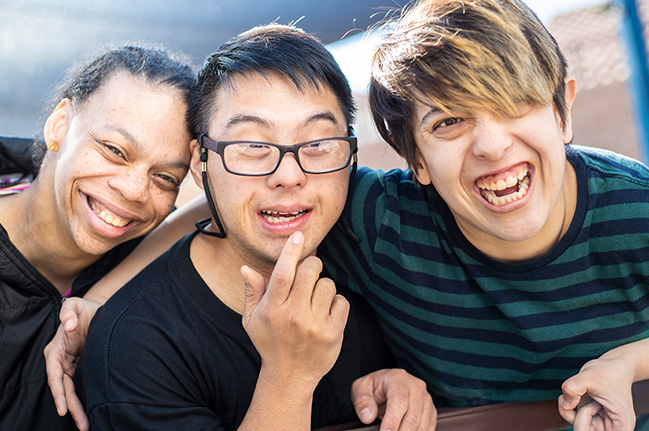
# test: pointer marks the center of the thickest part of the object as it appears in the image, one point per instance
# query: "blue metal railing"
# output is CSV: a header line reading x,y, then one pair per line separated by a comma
x,y
639,83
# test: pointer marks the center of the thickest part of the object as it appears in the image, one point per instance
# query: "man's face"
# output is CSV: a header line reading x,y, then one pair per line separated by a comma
x,y
502,178
259,213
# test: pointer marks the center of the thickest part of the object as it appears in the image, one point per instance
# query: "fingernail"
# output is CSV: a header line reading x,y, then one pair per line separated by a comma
x,y
365,415
297,237
68,325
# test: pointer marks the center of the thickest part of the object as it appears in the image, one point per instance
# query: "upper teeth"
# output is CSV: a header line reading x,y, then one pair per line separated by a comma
x,y
501,184
107,217
491,196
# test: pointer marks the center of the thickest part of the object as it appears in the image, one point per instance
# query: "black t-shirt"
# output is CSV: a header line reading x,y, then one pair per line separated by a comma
x,y
166,353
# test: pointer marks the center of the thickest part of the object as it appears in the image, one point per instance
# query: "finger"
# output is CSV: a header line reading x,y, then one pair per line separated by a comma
x,y
323,296
75,406
396,408
417,398
566,412
55,374
428,415
306,280
584,416
281,280
340,310
573,391
255,287
69,314
364,402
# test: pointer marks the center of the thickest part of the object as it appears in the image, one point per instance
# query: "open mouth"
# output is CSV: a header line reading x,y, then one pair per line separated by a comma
x,y
281,217
505,187
109,218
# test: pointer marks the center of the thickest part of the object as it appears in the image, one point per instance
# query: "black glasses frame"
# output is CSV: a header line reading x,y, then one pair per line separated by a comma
x,y
219,148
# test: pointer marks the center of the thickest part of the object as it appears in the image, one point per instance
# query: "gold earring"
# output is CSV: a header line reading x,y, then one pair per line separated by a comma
x,y
53,146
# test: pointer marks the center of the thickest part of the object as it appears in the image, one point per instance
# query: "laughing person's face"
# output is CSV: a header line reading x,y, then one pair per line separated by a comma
x,y
506,180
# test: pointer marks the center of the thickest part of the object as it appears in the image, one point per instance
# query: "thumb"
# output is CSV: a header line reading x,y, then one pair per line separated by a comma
x,y
69,315
573,390
255,286
364,401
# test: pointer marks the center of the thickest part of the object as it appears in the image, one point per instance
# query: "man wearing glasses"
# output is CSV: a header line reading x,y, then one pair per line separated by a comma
x,y
169,351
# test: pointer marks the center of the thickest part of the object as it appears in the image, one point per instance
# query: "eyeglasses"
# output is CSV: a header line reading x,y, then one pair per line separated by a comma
x,y
251,158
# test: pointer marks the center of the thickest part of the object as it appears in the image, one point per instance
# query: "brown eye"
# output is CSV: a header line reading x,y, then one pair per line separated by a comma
x,y
447,122
168,180
114,150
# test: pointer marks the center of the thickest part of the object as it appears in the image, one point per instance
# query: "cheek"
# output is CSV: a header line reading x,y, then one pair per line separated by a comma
x,y
336,194
163,202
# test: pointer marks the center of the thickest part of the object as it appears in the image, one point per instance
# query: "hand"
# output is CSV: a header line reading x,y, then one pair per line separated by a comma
x,y
296,322
404,397
599,397
62,355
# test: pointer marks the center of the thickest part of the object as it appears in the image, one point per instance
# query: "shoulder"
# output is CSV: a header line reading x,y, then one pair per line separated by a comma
x,y
603,164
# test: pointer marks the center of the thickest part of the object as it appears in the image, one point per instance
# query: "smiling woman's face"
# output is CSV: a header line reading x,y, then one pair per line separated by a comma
x,y
123,153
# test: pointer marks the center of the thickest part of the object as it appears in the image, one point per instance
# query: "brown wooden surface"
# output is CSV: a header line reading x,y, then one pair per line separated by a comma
x,y
529,416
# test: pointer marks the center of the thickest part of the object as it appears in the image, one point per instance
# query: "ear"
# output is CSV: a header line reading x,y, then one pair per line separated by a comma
x,y
571,93
57,124
195,163
421,170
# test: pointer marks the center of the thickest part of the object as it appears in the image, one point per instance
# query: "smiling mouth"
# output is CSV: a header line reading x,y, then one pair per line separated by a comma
x,y
109,218
280,217
505,188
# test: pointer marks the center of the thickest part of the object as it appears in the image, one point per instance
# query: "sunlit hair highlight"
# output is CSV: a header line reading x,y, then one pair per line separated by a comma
x,y
463,56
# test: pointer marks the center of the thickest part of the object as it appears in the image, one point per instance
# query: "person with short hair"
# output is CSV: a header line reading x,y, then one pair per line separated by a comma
x,y
507,264
117,149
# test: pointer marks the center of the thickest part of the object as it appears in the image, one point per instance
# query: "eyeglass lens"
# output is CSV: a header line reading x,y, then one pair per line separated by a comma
x,y
255,158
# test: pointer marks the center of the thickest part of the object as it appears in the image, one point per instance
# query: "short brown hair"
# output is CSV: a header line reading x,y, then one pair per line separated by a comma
x,y
464,55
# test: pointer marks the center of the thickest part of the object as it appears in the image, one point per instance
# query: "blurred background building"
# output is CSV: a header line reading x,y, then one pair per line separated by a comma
x,y
39,39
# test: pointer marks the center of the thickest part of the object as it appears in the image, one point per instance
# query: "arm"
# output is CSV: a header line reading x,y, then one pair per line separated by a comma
x,y
296,324
63,352
599,396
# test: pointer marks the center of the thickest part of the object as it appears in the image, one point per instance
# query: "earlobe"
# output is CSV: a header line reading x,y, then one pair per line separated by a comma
x,y
56,125
195,163
421,171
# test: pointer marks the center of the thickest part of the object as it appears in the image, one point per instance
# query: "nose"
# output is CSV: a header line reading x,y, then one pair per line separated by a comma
x,y
288,173
492,139
132,183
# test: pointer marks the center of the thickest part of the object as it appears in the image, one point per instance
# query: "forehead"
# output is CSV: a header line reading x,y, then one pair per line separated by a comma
x,y
276,100
122,87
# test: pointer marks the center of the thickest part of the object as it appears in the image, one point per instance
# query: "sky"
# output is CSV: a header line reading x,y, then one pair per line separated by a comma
x,y
548,9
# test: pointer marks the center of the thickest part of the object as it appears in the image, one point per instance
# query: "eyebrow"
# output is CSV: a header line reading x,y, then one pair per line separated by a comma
x,y
432,111
239,119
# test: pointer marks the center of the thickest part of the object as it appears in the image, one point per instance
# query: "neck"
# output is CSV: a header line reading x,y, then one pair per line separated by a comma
x,y
219,266
40,238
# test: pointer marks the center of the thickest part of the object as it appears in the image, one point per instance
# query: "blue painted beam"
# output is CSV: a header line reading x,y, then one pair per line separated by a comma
x,y
632,31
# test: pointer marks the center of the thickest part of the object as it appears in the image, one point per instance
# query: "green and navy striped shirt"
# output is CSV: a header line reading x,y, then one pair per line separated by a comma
x,y
481,331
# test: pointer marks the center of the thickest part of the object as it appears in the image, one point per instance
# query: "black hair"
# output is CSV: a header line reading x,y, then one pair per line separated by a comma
x,y
266,49
154,64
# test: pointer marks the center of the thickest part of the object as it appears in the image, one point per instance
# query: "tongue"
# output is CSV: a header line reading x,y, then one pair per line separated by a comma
x,y
506,191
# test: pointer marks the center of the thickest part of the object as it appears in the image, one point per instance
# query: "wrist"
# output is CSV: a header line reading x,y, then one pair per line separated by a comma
x,y
287,384
631,357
